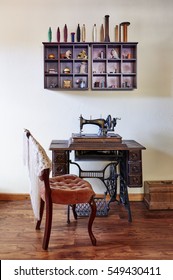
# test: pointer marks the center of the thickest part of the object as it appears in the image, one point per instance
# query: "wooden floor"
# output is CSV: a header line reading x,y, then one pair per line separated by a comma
x,y
149,236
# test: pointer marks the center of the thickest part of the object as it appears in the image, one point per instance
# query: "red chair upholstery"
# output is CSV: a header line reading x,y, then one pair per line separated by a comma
x,y
66,189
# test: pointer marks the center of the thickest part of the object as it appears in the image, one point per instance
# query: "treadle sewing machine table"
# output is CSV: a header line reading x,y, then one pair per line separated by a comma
x,y
125,159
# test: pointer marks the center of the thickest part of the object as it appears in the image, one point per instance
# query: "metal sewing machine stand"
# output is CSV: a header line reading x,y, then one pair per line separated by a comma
x,y
111,184
111,180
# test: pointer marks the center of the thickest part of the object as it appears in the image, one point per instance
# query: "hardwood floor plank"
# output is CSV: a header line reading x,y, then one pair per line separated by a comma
x,y
149,236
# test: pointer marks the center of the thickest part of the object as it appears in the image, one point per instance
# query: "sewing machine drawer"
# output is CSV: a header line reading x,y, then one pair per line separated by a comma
x,y
59,169
96,155
135,168
60,161
135,181
59,157
134,155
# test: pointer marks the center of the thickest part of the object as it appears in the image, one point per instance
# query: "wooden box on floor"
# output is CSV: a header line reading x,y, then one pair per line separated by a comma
x,y
158,195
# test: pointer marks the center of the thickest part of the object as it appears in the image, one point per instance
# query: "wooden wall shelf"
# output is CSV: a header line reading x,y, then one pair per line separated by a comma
x,y
113,66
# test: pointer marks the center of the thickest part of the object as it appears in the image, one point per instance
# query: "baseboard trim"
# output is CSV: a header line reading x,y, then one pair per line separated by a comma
x,y
136,196
132,197
14,196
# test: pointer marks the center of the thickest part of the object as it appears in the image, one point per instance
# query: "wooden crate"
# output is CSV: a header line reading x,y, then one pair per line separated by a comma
x,y
158,195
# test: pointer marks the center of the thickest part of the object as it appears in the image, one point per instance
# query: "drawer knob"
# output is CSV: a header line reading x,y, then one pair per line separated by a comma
x,y
135,168
135,180
133,156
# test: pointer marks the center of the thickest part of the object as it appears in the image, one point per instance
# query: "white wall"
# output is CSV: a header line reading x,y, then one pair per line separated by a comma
x,y
146,113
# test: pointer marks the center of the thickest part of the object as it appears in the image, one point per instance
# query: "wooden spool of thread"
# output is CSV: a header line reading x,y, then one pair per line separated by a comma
x,y
116,33
124,25
107,38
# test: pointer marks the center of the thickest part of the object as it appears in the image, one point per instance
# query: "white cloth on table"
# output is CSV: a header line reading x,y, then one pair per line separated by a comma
x,y
36,159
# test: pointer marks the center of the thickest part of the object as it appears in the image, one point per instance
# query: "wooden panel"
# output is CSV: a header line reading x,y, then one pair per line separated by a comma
x,y
158,194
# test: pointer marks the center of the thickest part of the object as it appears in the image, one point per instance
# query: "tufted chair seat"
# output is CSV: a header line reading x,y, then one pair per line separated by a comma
x,y
70,189
65,189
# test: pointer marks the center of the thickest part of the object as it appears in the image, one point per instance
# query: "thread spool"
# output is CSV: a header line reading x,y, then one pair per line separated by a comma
x,y
102,33
123,25
107,38
116,33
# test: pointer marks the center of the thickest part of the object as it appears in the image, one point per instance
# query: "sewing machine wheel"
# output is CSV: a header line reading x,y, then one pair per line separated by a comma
x,y
109,121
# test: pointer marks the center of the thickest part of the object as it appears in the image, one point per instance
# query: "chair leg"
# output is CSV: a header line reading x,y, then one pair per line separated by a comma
x,y
68,214
48,224
73,206
74,211
91,219
41,214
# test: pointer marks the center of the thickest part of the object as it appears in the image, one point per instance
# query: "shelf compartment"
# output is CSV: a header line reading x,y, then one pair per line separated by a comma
x,y
66,66
128,68
51,67
114,51
99,68
99,81
80,82
81,51
66,82
51,53
81,67
114,82
99,51
66,52
51,81
114,67
129,51
129,81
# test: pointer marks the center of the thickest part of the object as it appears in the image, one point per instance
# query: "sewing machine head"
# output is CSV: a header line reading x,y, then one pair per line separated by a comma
x,y
105,125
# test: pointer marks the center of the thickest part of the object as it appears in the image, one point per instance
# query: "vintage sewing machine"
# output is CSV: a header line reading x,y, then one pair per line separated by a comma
x,y
104,125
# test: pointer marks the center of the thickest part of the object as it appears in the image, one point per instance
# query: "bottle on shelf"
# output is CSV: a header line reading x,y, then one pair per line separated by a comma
x,y
72,37
50,35
83,33
78,33
65,33
94,33
58,35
